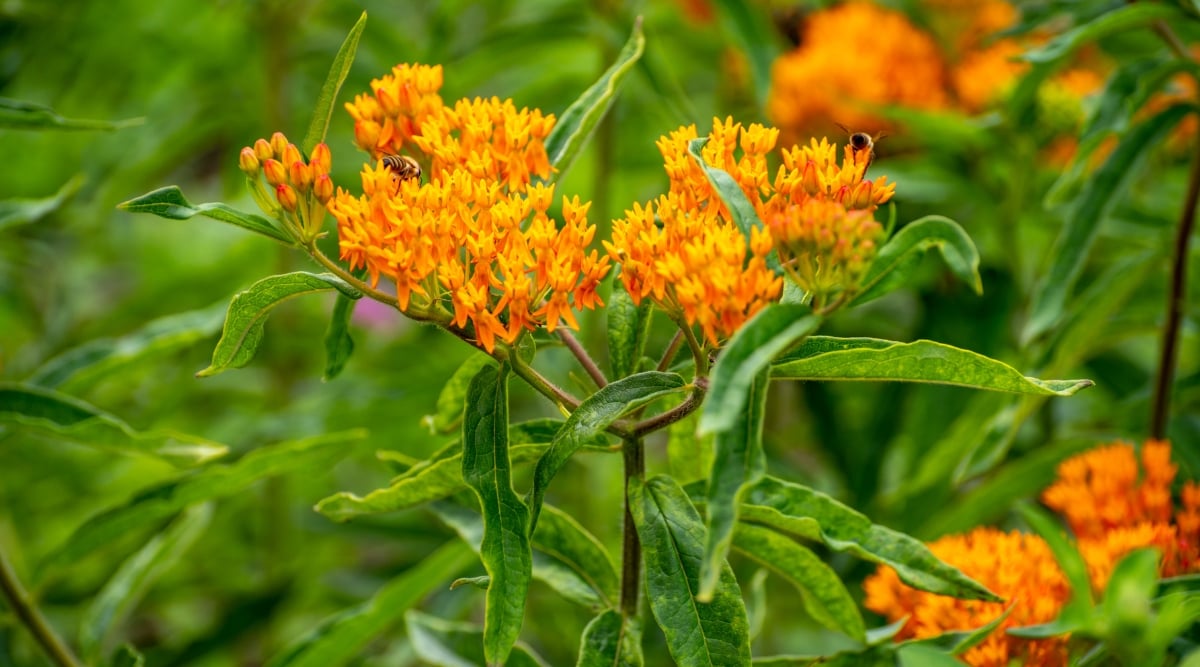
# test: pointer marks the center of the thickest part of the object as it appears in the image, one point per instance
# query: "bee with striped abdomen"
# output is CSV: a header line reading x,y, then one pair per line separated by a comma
x,y
402,168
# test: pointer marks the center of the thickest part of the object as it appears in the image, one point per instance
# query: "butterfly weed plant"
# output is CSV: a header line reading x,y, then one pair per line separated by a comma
x,y
459,222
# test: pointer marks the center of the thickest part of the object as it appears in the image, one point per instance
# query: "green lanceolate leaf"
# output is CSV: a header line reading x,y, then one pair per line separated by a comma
x,y
340,638
505,551
799,510
611,640
750,29
212,482
628,325
1070,561
1118,20
740,208
576,125
922,655
15,212
20,115
899,258
449,411
339,345
560,536
830,358
824,595
712,634
333,84
124,590
1083,222
169,203
443,643
62,417
593,416
247,316
102,357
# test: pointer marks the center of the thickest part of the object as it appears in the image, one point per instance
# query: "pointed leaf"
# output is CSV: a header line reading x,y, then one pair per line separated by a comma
x,y
333,84
829,358
689,456
1118,20
958,643
443,643
576,125
899,258
824,595
169,203
113,604
22,211
628,325
1083,222
561,537
593,416
61,417
247,316
339,345
713,634
611,640
21,115
340,638
448,414
505,550
212,482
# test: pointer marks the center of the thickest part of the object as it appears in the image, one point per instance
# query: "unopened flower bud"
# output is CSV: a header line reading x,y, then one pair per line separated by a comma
x,y
291,154
321,159
248,162
278,143
809,180
287,197
323,188
366,135
262,149
274,171
301,176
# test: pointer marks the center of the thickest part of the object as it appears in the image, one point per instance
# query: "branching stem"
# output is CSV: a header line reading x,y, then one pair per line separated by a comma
x,y
584,358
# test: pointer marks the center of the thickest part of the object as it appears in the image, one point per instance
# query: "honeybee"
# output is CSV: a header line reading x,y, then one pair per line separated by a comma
x,y
861,141
402,167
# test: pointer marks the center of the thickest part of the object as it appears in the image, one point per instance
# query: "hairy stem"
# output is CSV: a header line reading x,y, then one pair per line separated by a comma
x,y
1176,297
584,358
669,353
665,419
631,547
21,603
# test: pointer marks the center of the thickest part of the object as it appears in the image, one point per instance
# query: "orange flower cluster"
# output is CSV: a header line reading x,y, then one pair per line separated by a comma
x,y
478,231
301,187
1112,509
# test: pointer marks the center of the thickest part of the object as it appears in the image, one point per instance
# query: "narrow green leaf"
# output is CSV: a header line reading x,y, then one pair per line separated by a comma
x,y
448,413
209,483
747,24
824,595
829,358
338,639
611,640
481,582
756,344
713,634
1070,561
505,550
112,605
1119,20
899,258
249,309
576,125
728,190
15,212
1083,223
339,345
168,202
333,84
62,417
443,643
593,416
561,537
756,602
810,514
628,326
958,643
922,655
21,115
100,358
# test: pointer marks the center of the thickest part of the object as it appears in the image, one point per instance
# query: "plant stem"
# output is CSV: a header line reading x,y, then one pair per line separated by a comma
x,y
664,419
1176,297
698,354
21,603
538,382
669,353
631,547
581,354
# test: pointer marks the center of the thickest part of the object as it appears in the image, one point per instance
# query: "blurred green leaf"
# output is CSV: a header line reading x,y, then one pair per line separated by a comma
x,y
62,417
628,325
689,456
611,640
168,202
127,656
829,358
101,358
247,316
747,23
922,655
1118,20
20,115
209,483
327,99
1070,561
957,643
121,594
443,643
824,595
1083,223
505,549
576,125
713,634
594,415
448,413
481,582
338,639
755,593
900,257
15,212
339,345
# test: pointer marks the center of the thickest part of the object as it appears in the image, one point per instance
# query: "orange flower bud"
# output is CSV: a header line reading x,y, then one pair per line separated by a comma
x,y
278,143
263,150
321,159
812,185
291,154
366,135
274,171
248,162
300,176
323,188
287,197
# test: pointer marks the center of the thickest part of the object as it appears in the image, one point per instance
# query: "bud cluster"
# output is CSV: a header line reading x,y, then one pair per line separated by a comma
x,y
301,187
